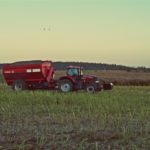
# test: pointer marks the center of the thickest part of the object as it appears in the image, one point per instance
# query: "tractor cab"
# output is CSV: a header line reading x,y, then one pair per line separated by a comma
x,y
74,71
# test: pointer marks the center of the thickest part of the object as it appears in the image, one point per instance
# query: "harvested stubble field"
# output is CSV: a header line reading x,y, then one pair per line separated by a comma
x,y
117,119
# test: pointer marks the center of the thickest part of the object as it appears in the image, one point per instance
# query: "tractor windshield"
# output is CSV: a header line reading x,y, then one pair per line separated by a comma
x,y
72,72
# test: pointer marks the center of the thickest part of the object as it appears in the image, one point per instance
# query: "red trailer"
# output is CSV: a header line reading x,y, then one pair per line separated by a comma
x,y
40,75
29,74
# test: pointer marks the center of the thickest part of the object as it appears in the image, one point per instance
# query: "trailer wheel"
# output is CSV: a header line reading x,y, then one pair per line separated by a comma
x,y
90,88
65,86
19,85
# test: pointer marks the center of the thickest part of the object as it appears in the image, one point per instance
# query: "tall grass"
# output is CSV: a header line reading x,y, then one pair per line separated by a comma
x,y
117,119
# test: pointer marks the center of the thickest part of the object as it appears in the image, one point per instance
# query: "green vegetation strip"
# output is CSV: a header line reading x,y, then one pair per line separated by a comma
x,y
117,119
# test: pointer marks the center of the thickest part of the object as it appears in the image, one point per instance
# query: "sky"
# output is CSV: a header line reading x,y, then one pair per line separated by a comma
x,y
102,31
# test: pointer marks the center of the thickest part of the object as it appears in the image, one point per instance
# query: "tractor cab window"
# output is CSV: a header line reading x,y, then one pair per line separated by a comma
x,y
72,72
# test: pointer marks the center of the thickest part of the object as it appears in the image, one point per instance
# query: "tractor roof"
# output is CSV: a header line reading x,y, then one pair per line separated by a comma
x,y
78,67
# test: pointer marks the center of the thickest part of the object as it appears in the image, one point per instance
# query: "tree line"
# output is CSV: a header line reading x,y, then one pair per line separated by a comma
x,y
98,66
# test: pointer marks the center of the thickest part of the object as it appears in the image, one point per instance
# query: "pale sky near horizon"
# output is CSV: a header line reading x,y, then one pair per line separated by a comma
x,y
106,31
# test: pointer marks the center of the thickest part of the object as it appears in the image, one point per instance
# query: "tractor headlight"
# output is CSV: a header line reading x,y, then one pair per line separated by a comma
x,y
97,81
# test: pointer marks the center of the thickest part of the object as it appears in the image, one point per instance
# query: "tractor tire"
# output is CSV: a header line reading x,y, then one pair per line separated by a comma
x,y
90,89
65,86
19,85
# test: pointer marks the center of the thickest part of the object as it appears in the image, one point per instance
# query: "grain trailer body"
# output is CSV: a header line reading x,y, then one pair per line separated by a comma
x,y
31,74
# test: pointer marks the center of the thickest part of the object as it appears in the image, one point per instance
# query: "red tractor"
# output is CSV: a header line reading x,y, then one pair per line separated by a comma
x,y
40,75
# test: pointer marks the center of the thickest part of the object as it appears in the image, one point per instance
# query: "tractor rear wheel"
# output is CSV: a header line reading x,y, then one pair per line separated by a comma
x,y
19,85
65,86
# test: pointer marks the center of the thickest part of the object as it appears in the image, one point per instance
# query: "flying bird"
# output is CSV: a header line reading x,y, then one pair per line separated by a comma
x,y
48,29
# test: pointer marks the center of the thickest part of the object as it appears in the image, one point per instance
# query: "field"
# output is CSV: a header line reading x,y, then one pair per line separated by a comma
x,y
117,119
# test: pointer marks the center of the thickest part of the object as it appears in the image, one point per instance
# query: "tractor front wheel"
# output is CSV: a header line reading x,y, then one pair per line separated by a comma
x,y
90,88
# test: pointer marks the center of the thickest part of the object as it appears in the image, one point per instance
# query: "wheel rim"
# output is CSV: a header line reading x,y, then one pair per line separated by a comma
x,y
65,87
18,87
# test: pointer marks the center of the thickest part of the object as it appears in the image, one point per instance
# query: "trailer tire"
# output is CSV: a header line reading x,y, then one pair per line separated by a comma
x,y
19,85
65,86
